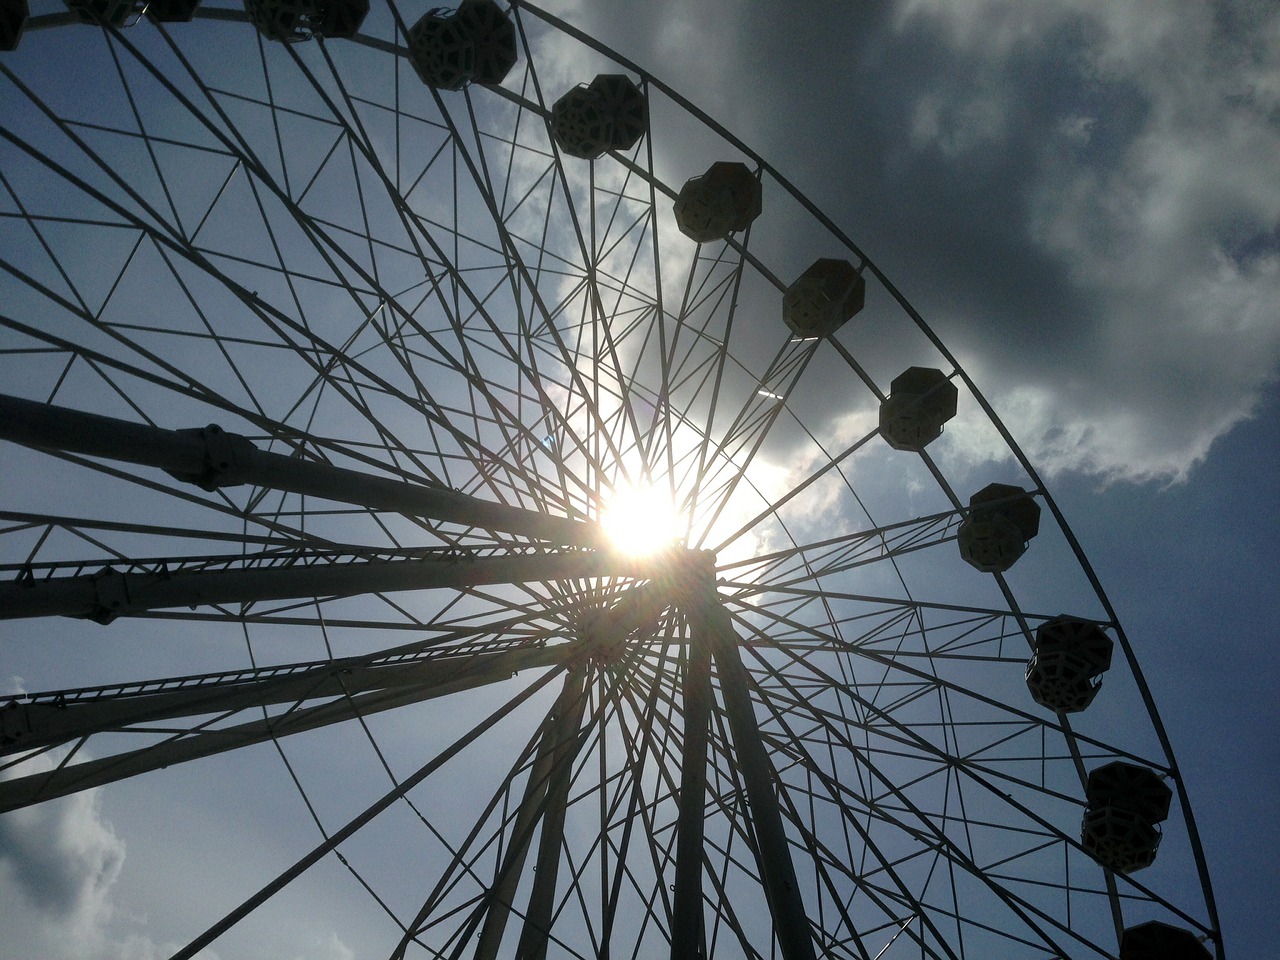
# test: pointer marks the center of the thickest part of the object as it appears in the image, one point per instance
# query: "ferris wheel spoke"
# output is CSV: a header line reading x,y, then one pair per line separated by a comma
x,y
809,562
337,838
828,866
688,367
503,419
557,740
900,743
649,436
33,222
713,457
204,739
654,706
897,663
212,458
43,720
191,387
744,589
708,312
547,801
889,899
278,322
922,825
521,276
753,424
931,829
827,464
323,245
586,244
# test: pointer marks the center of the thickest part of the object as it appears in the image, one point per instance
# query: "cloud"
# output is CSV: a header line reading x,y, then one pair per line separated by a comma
x,y
59,863
1152,197
1080,198
63,858
328,948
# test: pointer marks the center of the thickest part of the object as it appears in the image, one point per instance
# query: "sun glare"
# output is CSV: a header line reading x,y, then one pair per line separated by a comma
x,y
640,520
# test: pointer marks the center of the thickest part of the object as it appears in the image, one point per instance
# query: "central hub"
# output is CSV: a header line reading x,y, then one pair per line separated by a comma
x,y
677,579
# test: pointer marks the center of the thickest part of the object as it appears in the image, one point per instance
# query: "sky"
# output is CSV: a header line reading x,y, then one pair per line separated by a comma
x,y
1084,202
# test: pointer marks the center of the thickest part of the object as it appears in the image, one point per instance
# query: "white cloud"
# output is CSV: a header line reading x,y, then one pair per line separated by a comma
x,y
62,859
59,863
328,948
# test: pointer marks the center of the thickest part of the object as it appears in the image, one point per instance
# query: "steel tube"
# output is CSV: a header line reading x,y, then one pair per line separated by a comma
x,y
46,722
110,593
710,620
563,744
686,912
464,674
211,458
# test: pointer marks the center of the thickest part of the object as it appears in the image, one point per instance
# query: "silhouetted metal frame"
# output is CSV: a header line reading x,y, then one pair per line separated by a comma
x,y
957,372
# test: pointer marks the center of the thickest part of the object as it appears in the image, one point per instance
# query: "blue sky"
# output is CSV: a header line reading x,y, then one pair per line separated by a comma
x,y
1084,204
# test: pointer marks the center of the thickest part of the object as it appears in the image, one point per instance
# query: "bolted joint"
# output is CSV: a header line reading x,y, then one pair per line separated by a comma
x,y
15,723
695,570
26,725
696,594
223,454
603,640
111,595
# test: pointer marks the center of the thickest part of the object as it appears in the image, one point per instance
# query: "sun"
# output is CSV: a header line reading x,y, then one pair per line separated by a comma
x,y
640,520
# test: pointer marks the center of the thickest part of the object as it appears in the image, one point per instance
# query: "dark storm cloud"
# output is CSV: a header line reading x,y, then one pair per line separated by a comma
x,y
1081,199
943,210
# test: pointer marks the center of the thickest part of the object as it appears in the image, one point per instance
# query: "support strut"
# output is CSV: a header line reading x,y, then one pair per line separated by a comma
x,y
546,793
108,594
563,746
51,719
451,677
687,911
710,623
212,458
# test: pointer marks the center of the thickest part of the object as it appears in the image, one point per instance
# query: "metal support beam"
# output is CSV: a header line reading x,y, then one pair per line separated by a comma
x,y
44,720
462,673
564,748
709,622
545,794
687,911
212,458
111,593
501,896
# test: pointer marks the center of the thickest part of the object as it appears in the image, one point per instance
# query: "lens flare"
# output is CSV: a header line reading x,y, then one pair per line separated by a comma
x,y
640,520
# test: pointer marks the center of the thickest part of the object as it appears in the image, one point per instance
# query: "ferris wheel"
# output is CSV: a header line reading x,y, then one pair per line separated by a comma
x,y
540,529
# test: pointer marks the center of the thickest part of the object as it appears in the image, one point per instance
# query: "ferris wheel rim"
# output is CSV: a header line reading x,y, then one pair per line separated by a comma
x,y
957,371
